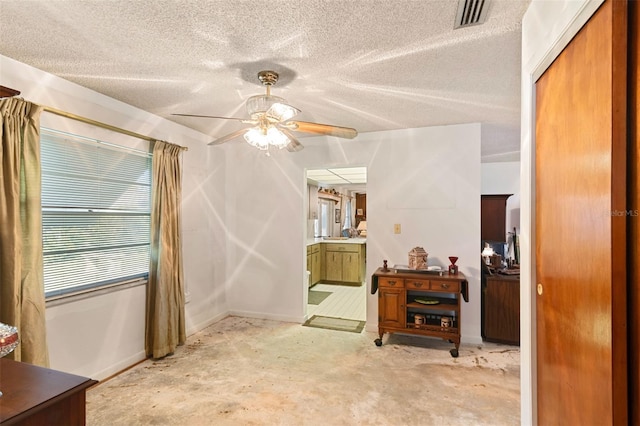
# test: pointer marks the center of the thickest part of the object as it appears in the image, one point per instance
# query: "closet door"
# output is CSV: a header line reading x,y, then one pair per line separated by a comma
x,y
581,188
634,208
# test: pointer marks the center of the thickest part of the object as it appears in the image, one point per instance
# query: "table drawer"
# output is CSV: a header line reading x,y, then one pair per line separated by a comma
x,y
412,284
452,286
391,282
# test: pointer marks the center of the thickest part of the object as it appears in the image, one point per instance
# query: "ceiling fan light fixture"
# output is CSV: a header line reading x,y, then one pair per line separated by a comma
x,y
281,112
260,104
263,140
270,117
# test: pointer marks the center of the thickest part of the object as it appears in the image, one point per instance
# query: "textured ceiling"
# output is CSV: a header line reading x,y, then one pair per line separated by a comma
x,y
368,64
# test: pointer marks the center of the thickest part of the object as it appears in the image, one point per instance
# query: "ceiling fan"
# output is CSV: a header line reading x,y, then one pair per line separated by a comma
x,y
271,124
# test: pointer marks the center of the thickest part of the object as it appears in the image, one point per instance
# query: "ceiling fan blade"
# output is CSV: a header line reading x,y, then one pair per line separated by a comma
x,y
322,129
228,137
242,120
294,145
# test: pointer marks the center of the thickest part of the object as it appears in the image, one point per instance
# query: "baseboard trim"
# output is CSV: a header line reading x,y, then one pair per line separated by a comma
x,y
115,369
261,315
194,328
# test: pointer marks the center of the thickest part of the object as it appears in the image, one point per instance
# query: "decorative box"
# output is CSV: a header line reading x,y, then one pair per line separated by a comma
x,y
418,258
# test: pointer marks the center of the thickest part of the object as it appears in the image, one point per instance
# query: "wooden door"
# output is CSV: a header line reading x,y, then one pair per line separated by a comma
x,y
316,266
391,310
580,238
634,209
333,266
493,217
351,267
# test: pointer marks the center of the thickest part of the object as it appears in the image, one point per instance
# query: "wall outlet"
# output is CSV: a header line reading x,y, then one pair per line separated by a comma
x,y
396,228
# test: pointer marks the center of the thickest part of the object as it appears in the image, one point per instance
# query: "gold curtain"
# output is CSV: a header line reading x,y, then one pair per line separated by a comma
x,y
21,272
165,327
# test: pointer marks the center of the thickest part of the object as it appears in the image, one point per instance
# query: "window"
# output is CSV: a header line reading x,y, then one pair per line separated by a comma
x,y
324,224
95,213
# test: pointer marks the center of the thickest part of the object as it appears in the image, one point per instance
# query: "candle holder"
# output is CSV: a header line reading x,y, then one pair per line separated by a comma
x,y
453,268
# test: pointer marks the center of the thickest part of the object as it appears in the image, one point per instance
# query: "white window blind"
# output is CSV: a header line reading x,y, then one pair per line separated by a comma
x,y
95,213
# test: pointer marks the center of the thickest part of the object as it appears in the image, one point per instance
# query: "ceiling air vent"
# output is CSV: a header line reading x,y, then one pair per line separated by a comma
x,y
471,12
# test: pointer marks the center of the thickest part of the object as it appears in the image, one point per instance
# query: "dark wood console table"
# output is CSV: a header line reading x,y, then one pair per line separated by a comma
x,y
34,395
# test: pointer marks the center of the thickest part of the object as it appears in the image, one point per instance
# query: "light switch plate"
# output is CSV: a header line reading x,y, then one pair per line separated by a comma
x,y
396,228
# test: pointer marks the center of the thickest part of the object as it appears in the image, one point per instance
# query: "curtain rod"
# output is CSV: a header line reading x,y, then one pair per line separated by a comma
x,y
103,125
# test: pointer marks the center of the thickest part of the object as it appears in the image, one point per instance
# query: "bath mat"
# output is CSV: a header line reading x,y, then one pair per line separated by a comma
x,y
340,324
316,296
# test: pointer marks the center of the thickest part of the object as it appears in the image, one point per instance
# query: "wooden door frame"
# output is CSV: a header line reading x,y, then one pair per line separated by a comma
x,y
568,23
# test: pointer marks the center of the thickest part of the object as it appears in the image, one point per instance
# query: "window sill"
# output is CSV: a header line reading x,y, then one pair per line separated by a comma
x,y
92,292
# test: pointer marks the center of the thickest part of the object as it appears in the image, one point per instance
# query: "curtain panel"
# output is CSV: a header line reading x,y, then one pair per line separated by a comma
x,y
165,323
353,211
22,302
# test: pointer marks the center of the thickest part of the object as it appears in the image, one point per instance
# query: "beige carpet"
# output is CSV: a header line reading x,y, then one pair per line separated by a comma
x,y
255,372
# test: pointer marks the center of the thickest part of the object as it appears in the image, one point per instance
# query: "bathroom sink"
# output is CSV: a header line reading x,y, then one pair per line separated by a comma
x,y
336,238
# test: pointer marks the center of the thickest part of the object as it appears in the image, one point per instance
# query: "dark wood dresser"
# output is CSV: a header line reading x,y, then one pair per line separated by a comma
x,y
501,309
34,395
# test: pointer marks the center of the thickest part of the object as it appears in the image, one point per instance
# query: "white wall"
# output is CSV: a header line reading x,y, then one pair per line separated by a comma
x,y
244,220
504,178
99,336
547,28
428,180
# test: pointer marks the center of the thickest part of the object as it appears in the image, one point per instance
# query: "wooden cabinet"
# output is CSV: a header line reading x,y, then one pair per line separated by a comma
x,y
333,266
351,267
501,309
391,303
361,208
493,214
39,396
314,263
420,303
344,263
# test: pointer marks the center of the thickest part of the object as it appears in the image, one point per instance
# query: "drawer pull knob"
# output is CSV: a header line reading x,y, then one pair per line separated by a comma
x,y
417,284
445,285
392,282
